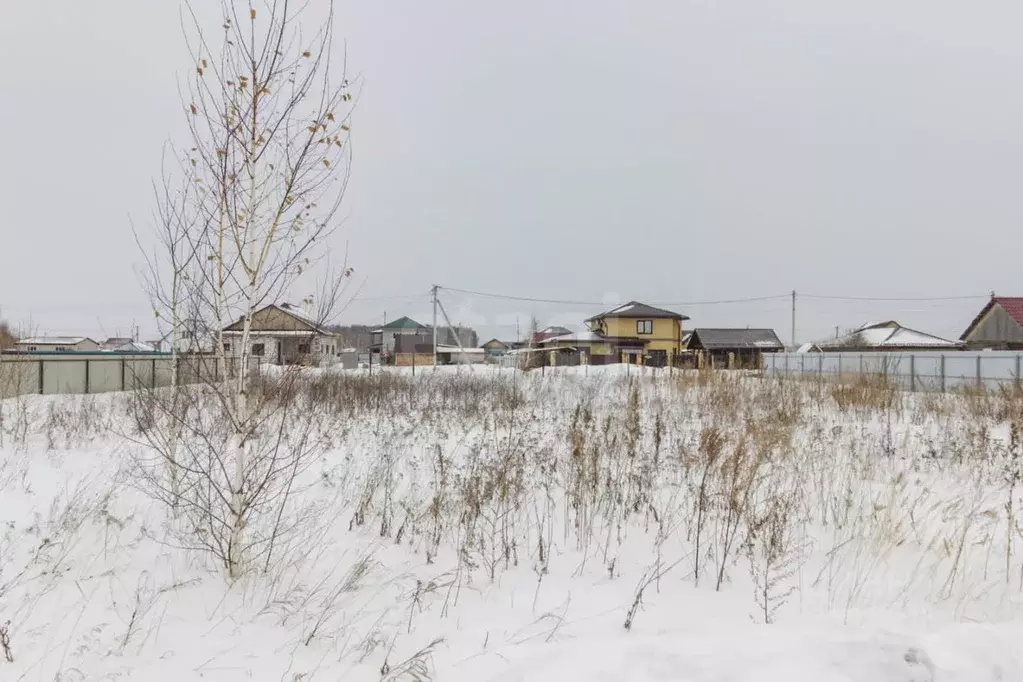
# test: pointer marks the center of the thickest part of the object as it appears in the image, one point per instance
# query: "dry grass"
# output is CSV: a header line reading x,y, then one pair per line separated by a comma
x,y
858,490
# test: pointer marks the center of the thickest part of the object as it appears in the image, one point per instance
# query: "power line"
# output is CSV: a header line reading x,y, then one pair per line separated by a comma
x,y
895,299
390,298
552,301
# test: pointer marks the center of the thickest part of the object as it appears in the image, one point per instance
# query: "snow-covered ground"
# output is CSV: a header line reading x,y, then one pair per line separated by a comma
x,y
497,525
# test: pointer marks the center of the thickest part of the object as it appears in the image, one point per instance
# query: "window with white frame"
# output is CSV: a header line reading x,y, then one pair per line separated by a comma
x,y
644,326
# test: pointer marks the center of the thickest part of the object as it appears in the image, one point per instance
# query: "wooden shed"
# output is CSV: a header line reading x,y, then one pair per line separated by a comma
x,y
734,348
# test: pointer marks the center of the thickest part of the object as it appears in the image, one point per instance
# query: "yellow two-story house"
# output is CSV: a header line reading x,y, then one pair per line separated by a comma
x,y
634,330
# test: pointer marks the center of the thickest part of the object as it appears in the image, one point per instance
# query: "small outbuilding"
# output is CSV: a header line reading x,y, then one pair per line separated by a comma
x,y
734,348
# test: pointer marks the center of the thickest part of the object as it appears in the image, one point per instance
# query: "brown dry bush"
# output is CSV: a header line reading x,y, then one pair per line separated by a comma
x,y
866,393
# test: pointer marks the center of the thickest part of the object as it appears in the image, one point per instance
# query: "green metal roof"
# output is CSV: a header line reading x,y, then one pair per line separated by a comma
x,y
404,323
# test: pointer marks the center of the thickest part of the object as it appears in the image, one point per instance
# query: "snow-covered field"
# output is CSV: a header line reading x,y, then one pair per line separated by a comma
x,y
496,525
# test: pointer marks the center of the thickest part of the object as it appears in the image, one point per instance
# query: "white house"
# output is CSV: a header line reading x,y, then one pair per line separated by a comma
x,y
888,335
57,343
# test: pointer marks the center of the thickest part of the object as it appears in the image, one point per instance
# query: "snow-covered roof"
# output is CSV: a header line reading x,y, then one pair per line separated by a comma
x,y
902,337
887,335
53,340
128,345
456,349
808,348
579,337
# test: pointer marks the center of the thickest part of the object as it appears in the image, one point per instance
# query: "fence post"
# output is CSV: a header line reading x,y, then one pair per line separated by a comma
x,y
820,365
861,364
942,372
153,380
413,363
978,371
912,372
786,363
1017,371
42,371
123,387
802,365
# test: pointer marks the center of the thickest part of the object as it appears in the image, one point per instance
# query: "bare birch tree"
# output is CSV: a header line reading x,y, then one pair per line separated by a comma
x,y
262,181
170,269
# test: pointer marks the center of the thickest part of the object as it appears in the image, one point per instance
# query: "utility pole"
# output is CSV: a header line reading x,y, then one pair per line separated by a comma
x,y
434,292
794,319
454,333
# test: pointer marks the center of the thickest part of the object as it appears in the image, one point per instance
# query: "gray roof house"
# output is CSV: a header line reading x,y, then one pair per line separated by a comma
x,y
735,340
743,347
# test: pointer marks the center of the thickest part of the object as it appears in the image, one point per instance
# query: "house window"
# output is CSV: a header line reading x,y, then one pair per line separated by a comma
x,y
227,348
303,349
258,349
644,326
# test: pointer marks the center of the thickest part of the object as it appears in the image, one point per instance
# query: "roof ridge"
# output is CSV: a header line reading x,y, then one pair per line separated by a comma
x,y
622,308
734,329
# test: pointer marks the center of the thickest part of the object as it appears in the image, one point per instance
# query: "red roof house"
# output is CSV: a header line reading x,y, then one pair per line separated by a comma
x,y
999,326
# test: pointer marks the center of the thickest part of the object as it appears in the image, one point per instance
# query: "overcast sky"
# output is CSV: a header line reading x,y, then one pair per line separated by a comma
x,y
599,151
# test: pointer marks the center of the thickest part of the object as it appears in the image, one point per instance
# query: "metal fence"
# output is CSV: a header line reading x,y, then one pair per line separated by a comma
x,y
917,371
79,373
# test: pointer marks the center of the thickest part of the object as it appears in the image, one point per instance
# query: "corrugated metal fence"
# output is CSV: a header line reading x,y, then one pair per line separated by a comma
x,y
923,371
77,372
